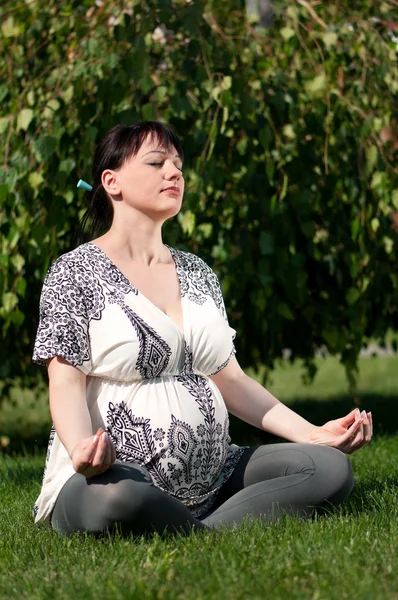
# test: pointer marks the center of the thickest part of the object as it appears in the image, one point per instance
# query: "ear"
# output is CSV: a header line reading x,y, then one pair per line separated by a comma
x,y
110,182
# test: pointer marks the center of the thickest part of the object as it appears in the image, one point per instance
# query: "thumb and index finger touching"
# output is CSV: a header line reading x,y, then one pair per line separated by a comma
x,y
91,445
349,419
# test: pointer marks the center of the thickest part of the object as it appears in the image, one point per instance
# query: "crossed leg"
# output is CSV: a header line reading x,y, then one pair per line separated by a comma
x,y
268,481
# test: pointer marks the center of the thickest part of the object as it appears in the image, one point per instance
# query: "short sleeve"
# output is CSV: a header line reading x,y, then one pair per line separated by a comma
x,y
214,287
63,320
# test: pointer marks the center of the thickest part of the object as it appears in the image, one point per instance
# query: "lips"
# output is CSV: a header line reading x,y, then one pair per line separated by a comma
x,y
172,189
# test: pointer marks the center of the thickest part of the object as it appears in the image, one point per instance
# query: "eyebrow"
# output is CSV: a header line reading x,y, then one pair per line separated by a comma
x,y
161,152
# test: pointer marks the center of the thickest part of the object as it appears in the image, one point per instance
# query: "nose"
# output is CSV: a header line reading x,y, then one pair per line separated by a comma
x,y
172,172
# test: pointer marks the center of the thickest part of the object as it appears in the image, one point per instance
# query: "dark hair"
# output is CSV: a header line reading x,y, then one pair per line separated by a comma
x,y
118,145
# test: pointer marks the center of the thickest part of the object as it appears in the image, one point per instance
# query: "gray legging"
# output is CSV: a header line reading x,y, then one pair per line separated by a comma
x,y
268,481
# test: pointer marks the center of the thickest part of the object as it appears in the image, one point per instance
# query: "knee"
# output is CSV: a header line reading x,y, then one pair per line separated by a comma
x,y
124,504
335,470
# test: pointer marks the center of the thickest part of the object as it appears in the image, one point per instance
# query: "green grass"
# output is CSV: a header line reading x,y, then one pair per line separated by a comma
x,y
351,553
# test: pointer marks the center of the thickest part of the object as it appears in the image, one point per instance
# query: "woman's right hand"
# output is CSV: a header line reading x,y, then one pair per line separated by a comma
x,y
93,455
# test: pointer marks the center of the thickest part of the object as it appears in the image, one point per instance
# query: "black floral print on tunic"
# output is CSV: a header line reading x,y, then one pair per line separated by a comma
x,y
148,389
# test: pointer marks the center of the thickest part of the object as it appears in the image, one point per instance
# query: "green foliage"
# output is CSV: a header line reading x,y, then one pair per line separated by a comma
x,y
289,136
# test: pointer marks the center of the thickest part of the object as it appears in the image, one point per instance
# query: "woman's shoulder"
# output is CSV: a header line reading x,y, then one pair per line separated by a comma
x,y
76,253
69,261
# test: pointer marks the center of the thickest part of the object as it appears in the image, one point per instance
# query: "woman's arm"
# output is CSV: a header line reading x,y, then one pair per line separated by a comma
x,y
68,406
90,454
251,402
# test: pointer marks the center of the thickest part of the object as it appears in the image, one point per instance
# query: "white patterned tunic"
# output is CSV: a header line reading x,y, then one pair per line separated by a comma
x,y
148,382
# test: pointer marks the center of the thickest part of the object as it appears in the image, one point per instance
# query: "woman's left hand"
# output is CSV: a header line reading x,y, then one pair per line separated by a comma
x,y
347,434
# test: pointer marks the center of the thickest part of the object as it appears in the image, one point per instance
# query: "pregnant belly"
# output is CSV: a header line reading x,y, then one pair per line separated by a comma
x,y
178,429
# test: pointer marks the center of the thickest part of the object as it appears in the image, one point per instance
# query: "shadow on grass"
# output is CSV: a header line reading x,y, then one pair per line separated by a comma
x,y
26,442
384,410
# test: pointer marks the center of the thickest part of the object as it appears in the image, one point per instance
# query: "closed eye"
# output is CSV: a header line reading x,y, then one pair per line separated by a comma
x,y
160,164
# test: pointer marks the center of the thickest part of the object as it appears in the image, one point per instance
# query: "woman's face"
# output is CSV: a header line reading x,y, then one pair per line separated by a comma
x,y
151,181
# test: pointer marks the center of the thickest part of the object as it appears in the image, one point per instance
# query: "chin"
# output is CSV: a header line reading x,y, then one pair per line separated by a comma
x,y
172,208
165,212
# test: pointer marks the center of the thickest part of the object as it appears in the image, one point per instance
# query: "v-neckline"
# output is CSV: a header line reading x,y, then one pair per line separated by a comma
x,y
146,299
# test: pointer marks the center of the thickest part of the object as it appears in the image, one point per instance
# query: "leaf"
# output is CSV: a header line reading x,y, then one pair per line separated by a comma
x,y
4,123
226,82
67,165
377,179
329,39
316,85
265,279
35,180
352,295
287,33
187,221
355,228
53,104
20,286
394,198
371,158
17,262
284,187
67,94
332,337
146,84
375,224
388,244
13,236
69,196
285,311
149,111
4,260
24,119
44,147
225,115
3,192
206,229
9,28
17,317
266,243
288,131
9,301
215,92
160,93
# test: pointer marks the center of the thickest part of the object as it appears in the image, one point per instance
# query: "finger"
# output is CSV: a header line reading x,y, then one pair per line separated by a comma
x,y
357,442
345,441
370,417
108,457
360,438
366,428
101,453
351,432
350,418
367,436
84,452
113,451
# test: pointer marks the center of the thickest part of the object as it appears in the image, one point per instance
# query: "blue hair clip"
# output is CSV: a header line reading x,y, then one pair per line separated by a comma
x,y
84,186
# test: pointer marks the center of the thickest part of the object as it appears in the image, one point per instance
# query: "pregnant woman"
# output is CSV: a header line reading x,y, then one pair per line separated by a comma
x,y
142,374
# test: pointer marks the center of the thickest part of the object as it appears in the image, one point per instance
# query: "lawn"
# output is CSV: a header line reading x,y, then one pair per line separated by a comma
x,y
351,553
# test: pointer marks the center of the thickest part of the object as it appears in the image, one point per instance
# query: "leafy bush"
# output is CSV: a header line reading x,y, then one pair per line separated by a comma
x,y
290,144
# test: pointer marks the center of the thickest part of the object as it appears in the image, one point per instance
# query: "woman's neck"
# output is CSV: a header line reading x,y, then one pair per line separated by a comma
x,y
138,240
